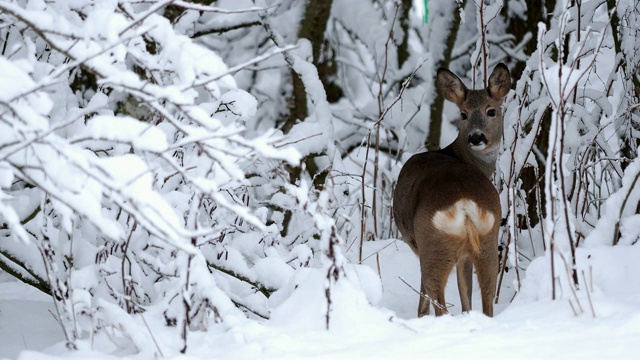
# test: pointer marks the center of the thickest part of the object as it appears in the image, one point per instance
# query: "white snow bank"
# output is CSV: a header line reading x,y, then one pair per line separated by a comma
x,y
533,326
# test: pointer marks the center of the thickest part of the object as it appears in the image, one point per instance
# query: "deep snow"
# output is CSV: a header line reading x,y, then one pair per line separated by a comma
x,y
532,326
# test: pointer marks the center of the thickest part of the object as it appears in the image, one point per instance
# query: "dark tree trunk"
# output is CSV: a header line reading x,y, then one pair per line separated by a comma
x,y
403,48
435,124
537,11
312,28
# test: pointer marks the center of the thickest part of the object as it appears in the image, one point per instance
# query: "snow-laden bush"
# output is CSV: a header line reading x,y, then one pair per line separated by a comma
x,y
132,191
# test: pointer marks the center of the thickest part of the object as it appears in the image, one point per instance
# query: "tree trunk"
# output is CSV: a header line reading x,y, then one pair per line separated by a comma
x,y
403,48
312,28
519,28
435,124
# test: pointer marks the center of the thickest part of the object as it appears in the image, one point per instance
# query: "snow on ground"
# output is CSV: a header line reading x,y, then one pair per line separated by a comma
x,y
532,326
25,319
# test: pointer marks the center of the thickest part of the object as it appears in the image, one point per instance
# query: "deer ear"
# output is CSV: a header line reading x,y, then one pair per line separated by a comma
x,y
452,87
499,82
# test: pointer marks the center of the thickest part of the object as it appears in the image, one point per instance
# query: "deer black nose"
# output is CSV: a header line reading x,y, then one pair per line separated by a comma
x,y
477,139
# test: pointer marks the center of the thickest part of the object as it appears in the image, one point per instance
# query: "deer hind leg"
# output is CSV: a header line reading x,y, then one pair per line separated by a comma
x,y
434,279
486,264
464,272
424,305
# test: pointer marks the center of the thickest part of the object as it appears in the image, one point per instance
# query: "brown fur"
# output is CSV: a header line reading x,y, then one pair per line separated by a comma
x,y
474,237
445,206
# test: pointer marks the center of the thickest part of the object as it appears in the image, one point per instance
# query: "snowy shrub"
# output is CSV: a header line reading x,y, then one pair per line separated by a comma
x,y
128,174
575,129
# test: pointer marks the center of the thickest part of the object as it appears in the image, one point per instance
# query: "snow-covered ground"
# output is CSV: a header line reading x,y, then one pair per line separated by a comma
x,y
25,319
532,326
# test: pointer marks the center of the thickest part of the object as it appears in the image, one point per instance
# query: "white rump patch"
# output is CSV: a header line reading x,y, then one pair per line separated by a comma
x,y
452,220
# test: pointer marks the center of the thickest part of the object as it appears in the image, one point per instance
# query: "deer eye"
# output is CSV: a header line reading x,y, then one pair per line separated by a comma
x,y
491,112
464,116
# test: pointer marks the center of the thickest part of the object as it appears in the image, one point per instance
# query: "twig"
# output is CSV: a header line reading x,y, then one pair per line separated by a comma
x,y
363,213
254,312
234,69
378,251
572,285
217,10
151,334
575,313
425,296
588,290
277,146
405,85
261,288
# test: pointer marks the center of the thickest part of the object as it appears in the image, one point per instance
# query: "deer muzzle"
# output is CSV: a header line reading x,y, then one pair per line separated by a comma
x,y
478,140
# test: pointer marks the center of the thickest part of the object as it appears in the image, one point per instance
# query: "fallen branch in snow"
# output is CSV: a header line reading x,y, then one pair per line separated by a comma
x,y
26,220
253,311
37,282
260,287
426,297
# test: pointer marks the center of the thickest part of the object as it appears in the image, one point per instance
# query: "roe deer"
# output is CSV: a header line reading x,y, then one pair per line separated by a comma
x,y
445,205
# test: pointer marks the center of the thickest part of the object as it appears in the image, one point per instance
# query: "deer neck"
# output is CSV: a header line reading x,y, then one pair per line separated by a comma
x,y
485,161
